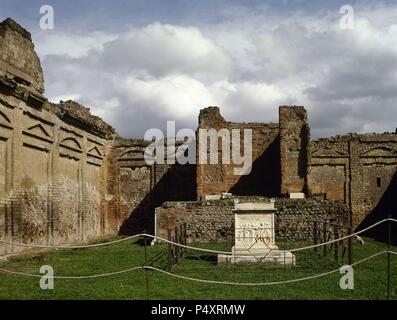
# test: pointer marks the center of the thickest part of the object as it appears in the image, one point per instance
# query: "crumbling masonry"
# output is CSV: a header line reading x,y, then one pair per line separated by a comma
x,y
66,176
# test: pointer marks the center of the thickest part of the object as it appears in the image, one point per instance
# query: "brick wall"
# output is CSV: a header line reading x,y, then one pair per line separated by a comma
x,y
136,188
294,148
264,177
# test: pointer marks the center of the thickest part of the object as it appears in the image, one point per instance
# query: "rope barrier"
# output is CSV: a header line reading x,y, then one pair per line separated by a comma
x,y
261,284
345,237
73,277
18,244
190,247
248,284
292,250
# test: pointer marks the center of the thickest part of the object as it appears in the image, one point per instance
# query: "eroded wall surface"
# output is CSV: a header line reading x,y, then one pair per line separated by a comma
x,y
264,178
136,188
52,168
294,148
52,177
357,169
18,58
214,220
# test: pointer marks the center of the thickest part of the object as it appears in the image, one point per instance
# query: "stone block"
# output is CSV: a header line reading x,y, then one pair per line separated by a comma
x,y
297,195
213,197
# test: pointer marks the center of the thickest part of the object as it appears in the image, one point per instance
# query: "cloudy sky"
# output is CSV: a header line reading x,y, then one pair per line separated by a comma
x,y
140,63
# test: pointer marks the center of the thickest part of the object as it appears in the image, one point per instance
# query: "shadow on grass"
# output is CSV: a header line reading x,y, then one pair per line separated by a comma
x,y
211,259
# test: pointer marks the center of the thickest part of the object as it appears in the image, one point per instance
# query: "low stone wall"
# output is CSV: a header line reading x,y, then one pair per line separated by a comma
x,y
214,220
295,219
206,220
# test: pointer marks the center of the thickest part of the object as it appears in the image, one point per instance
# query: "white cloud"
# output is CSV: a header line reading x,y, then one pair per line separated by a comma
x,y
160,50
248,66
176,96
246,101
72,45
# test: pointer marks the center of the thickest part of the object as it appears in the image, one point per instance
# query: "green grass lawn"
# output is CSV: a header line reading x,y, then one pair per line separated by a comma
x,y
370,277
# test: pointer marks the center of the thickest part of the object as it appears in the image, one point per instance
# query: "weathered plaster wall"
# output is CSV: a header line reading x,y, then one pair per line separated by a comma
x,y
130,181
135,188
294,148
52,176
357,169
264,177
52,168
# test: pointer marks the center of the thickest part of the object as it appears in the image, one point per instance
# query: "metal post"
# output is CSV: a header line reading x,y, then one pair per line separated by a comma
x,y
146,271
336,249
315,240
350,246
181,241
178,232
325,238
184,236
184,241
307,233
169,252
185,233
176,246
389,259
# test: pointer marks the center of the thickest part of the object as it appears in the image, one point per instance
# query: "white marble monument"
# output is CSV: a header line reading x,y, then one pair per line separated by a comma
x,y
255,236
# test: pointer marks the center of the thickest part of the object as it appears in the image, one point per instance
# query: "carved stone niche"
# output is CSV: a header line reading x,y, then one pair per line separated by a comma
x,y
133,158
5,122
95,153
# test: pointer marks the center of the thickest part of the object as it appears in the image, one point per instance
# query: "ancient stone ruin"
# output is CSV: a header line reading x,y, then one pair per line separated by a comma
x,y
66,175
255,238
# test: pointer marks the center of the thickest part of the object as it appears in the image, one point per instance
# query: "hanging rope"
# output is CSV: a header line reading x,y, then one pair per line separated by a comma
x,y
190,247
246,284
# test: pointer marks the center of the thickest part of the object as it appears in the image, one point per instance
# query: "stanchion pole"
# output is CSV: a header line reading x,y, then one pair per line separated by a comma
x,y
169,251
389,259
146,270
325,238
336,245
350,246
315,235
